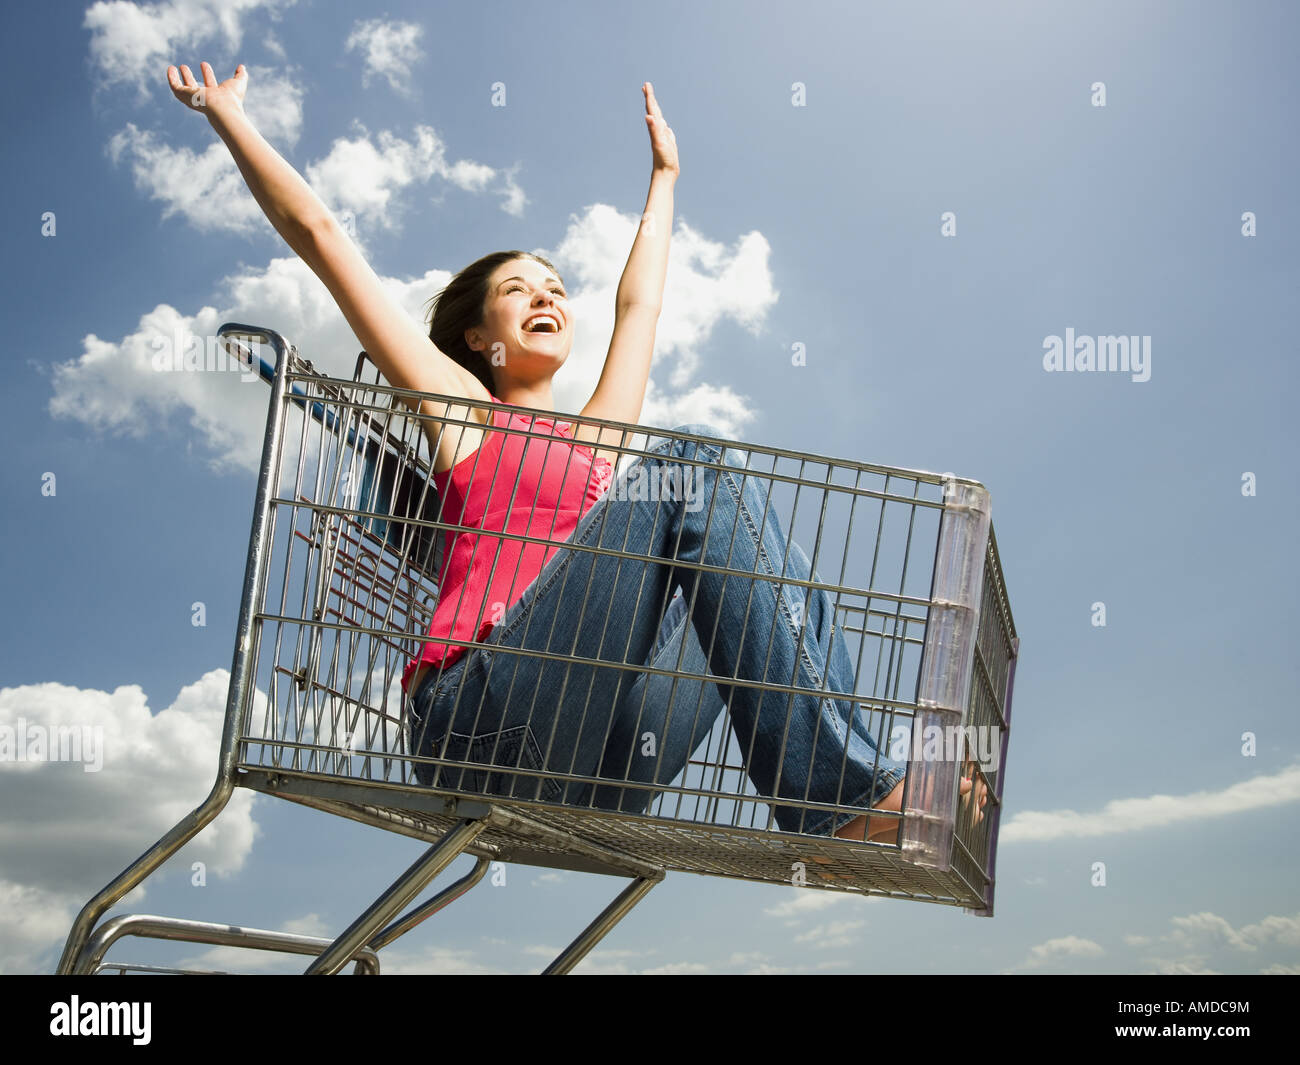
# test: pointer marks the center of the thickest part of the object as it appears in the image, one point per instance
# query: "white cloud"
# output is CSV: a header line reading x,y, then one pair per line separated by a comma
x,y
357,177
718,405
603,961
512,193
549,878
751,957
135,43
681,968
1283,930
1193,966
1062,947
441,960
32,921
831,934
206,187
67,832
310,924
247,960
1200,927
804,902
363,177
807,901
1197,926
393,961
389,49
706,283
1155,811
113,387
274,105
1194,937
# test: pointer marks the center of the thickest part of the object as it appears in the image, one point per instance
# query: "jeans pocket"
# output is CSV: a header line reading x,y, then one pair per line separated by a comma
x,y
509,748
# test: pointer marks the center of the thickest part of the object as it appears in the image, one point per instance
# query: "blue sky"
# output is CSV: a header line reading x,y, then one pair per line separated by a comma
x,y
818,224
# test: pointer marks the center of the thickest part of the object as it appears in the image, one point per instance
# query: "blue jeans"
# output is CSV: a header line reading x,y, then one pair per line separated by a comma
x,y
591,718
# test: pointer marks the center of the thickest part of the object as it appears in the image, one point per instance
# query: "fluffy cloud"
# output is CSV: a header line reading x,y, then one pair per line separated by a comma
x,y
274,104
363,178
1155,811
112,386
1202,928
706,282
1061,948
389,50
830,934
67,831
358,177
135,43
805,902
1206,943
205,187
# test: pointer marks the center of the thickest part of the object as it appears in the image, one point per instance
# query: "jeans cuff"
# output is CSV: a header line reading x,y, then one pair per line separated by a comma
x,y
828,823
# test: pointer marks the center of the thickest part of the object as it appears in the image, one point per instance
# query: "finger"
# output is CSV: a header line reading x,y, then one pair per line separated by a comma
x,y
209,78
189,77
241,71
651,103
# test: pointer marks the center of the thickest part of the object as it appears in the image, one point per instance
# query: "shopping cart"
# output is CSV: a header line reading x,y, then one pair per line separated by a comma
x,y
346,546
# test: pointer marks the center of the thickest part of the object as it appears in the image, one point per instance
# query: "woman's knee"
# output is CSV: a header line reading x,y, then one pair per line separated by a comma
x,y
709,443
690,429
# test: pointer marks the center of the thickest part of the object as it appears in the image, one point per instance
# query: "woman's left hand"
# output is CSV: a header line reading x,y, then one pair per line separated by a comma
x,y
663,141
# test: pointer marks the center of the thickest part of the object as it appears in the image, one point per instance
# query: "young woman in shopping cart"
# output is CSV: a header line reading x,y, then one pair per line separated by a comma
x,y
566,701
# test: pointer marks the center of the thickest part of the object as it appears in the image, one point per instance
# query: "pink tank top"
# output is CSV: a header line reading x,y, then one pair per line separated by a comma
x,y
526,485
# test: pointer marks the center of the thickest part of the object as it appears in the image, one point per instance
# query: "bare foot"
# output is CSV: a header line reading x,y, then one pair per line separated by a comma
x,y
980,796
885,829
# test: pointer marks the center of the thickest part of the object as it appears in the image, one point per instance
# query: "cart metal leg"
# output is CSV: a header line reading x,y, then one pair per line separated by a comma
x,y
596,931
185,830
391,902
177,929
445,897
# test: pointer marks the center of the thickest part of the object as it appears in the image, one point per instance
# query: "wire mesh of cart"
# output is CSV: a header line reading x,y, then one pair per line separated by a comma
x,y
348,543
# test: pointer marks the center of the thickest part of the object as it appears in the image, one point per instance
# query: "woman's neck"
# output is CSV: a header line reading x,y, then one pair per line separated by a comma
x,y
538,395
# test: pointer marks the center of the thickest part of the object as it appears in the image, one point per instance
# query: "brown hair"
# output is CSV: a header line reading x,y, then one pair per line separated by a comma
x,y
460,305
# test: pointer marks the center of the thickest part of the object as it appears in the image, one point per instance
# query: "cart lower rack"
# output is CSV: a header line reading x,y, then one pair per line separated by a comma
x,y
892,574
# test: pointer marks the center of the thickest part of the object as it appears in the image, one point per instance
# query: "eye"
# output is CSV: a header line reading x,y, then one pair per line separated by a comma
x,y
516,287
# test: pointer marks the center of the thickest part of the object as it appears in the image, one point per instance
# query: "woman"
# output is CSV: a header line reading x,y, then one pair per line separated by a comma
x,y
501,330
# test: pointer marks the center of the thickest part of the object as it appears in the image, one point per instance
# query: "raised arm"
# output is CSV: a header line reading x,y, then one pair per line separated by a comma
x,y
401,350
620,393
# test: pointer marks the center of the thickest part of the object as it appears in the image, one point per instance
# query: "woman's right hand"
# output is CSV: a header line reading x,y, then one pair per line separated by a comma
x,y
209,97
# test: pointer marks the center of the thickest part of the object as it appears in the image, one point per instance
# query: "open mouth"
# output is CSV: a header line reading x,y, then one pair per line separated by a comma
x,y
542,323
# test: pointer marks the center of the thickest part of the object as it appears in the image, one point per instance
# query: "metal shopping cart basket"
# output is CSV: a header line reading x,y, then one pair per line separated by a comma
x,y
339,590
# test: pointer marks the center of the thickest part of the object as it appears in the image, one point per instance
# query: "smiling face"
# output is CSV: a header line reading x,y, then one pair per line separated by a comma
x,y
526,332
